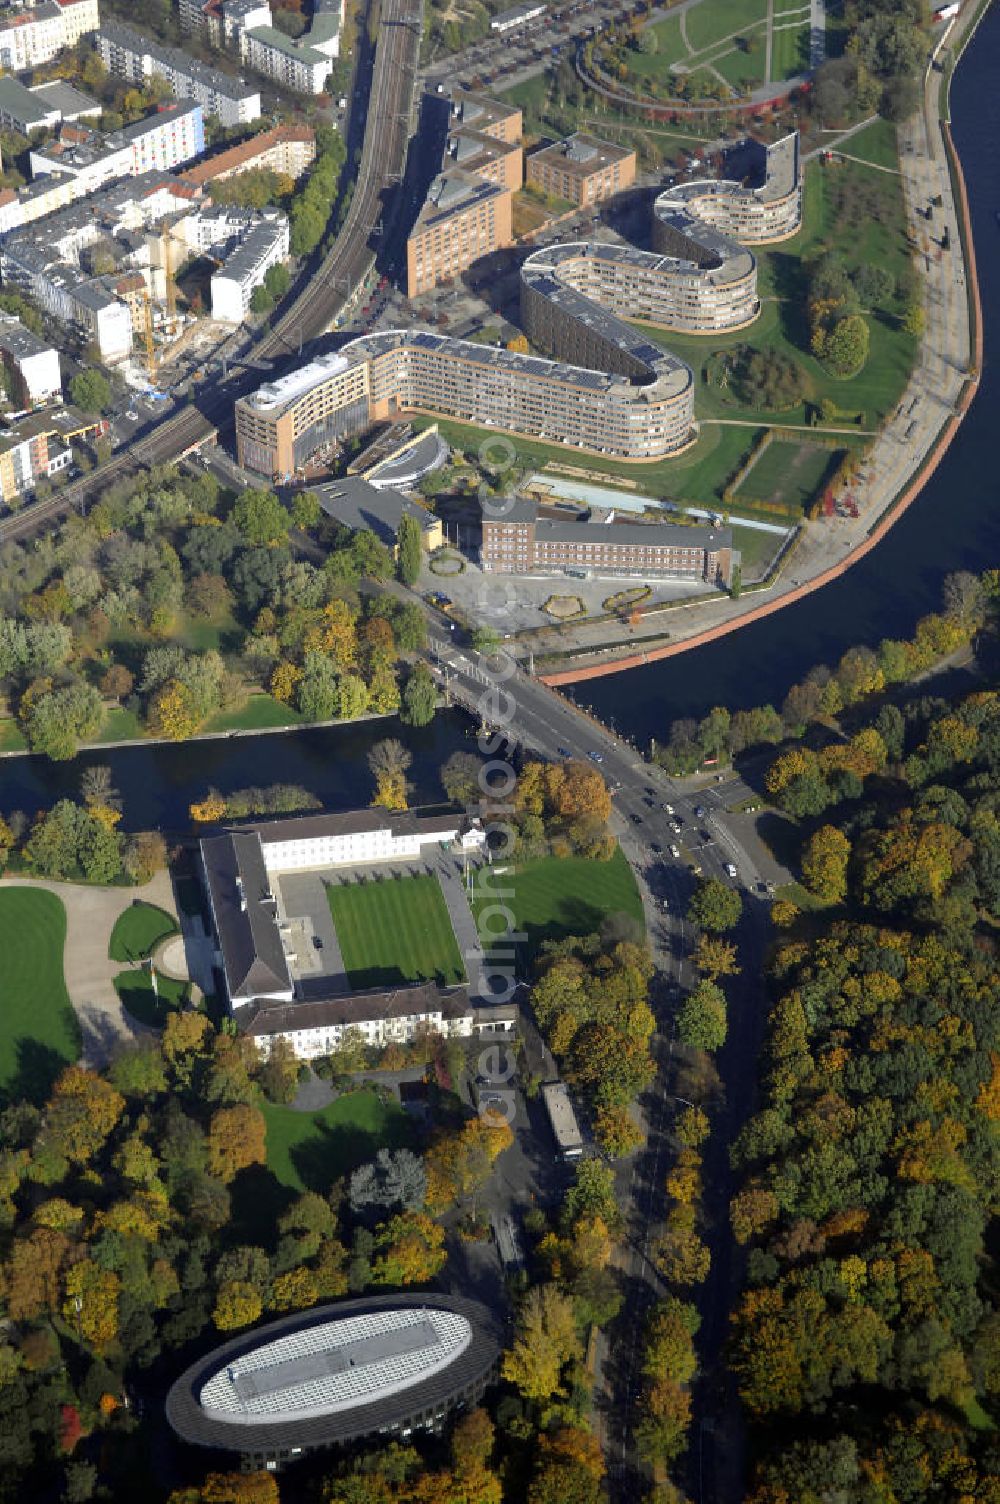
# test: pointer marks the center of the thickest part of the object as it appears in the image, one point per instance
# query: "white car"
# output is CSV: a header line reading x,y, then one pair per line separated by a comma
x,y
675,852
731,870
667,809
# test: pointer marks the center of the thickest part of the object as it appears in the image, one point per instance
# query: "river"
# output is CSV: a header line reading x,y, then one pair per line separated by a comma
x,y
955,523
158,782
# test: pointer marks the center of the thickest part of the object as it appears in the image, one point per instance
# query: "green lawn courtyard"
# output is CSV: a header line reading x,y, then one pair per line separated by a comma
x,y
39,1032
395,930
310,1150
558,896
138,930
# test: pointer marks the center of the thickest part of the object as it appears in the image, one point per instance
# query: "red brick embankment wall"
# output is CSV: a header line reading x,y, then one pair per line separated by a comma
x,y
930,463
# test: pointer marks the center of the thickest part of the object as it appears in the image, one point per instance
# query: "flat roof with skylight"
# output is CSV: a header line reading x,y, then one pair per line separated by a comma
x,y
320,1378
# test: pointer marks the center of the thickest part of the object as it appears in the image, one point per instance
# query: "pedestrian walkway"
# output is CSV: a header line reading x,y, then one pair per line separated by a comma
x,y
450,875
91,913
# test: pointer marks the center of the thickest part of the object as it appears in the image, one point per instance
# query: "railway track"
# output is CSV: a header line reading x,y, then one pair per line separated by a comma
x,y
383,160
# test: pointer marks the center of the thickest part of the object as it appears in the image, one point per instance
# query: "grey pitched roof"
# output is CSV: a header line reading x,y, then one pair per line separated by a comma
x,y
358,504
358,1008
252,953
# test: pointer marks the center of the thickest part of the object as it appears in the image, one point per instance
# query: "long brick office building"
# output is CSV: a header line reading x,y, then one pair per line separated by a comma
x,y
522,542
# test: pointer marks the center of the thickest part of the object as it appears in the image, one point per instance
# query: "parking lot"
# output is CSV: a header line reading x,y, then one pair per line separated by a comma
x,y
528,49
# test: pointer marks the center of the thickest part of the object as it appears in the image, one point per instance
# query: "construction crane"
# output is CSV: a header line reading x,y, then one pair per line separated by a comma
x,y
171,285
147,308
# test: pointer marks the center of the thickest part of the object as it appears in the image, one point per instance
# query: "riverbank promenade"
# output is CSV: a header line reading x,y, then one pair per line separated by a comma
x,y
907,450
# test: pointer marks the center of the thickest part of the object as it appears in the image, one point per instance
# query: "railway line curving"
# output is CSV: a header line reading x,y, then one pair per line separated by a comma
x,y
383,158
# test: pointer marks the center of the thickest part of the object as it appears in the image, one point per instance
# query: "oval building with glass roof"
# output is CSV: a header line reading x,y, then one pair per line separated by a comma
x,y
381,1365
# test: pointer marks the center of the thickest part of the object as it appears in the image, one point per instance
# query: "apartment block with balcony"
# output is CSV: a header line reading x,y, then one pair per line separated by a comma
x,y
36,34
128,54
463,219
288,149
582,169
32,366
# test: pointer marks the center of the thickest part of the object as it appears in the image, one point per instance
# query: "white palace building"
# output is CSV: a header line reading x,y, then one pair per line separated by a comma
x,y
237,870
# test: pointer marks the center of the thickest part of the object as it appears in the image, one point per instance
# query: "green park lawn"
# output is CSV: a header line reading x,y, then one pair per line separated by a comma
x,y
121,725
713,20
394,931
558,896
39,1032
697,476
310,1150
756,547
257,713
138,930
791,474
670,48
135,989
743,71
789,47
11,736
876,143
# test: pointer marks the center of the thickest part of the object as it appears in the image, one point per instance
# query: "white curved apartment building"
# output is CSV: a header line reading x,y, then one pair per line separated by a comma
x,y
761,206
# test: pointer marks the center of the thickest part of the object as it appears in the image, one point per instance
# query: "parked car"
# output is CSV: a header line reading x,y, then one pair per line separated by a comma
x,y
731,870
675,852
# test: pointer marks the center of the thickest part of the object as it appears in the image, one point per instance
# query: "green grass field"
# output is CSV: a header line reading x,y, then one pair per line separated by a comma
x,y
670,48
256,714
120,725
559,896
713,20
697,476
12,738
310,1150
790,48
39,1032
876,143
135,988
742,71
791,474
756,547
138,930
395,931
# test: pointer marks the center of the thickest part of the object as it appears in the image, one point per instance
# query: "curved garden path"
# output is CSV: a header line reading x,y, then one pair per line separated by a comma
x,y
91,913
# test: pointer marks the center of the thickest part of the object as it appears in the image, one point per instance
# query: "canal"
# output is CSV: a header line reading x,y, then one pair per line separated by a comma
x,y
955,523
